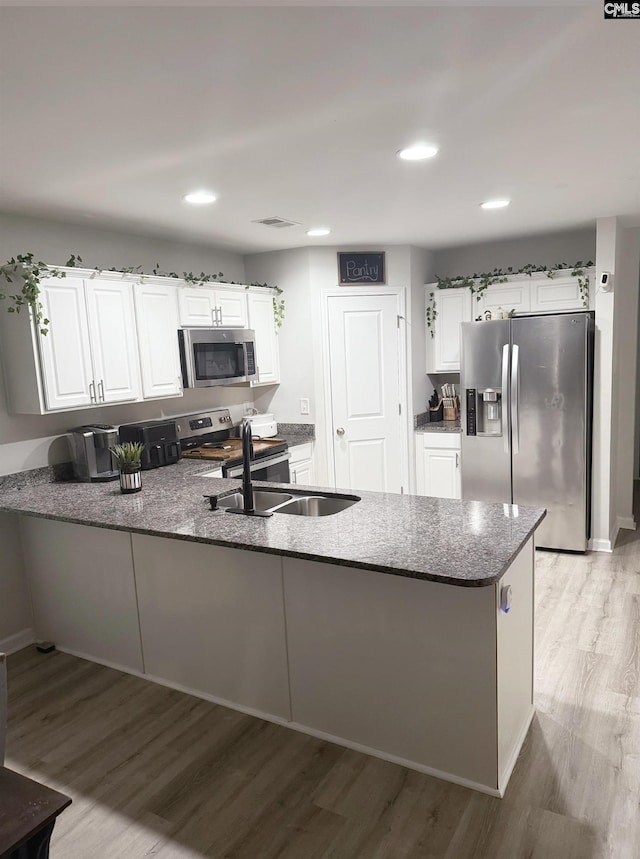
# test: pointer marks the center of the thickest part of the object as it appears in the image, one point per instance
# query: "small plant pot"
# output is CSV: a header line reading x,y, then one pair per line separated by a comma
x,y
130,480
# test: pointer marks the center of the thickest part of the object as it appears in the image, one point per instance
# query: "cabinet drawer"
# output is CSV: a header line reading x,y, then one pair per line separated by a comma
x,y
300,452
442,440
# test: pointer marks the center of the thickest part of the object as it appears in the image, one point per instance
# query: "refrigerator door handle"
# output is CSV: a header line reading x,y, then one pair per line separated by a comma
x,y
515,369
505,385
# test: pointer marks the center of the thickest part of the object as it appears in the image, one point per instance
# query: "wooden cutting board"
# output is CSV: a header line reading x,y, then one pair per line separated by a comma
x,y
216,453
207,453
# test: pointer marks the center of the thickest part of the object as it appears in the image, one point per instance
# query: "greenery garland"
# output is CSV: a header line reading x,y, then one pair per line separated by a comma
x,y
431,314
31,271
480,281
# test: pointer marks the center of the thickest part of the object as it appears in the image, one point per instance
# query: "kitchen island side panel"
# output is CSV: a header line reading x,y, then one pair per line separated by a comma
x,y
515,660
404,667
83,591
212,621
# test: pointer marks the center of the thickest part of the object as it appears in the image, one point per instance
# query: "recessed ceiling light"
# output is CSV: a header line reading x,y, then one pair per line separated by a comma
x,y
318,231
417,152
200,198
494,204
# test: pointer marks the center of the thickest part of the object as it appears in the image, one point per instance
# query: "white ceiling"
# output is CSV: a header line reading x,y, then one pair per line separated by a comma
x,y
112,114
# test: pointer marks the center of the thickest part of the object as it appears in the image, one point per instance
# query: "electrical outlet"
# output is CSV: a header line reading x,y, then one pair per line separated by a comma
x,y
247,408
304,406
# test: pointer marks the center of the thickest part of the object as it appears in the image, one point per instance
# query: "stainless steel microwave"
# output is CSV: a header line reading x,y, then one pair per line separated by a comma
x,y
217,356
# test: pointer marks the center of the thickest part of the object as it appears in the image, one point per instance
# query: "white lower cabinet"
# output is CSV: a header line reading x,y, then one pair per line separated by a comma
x,y
212,620
301,464
438,464
157,325
83,590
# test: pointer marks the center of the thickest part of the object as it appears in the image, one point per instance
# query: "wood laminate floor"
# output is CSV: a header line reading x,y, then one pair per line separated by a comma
x,y
154,772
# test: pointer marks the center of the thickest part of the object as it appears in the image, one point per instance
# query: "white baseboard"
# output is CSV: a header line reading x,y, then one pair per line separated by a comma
x,y
15,642
303,729
628,523
599,545
395,759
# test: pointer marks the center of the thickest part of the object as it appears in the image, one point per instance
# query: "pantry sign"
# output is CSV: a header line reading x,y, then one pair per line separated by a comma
x,y
361,268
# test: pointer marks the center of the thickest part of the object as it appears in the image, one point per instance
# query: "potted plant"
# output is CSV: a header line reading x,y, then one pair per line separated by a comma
x,y
127,458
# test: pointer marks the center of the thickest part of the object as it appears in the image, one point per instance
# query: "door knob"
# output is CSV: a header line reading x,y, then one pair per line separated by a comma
x,y
340,431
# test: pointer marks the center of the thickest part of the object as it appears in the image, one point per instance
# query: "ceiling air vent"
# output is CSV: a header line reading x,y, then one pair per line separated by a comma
x,y
276,222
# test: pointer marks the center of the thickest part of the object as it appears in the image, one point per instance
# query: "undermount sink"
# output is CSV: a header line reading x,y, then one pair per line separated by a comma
x,y
272,501
262,500
316,505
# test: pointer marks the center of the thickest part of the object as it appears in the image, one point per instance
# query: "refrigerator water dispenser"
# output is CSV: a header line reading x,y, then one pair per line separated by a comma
x,y
484,411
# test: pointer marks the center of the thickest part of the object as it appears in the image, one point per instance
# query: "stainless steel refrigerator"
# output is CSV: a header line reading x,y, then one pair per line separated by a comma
x,y
526,388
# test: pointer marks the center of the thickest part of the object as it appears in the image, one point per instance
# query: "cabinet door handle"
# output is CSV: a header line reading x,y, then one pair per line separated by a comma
x,y
101,390
294,477
340,431
92,391
457,460
219,315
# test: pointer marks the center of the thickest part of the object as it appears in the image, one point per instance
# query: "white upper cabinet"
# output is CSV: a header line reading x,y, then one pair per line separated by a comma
x,y
261,320
452,307
112,331
67,372
504,297
204,306
557,294
157,325
447,308
232,306
89,354
113,338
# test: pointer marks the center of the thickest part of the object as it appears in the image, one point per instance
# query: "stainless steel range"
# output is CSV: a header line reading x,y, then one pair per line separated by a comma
x,y
207,436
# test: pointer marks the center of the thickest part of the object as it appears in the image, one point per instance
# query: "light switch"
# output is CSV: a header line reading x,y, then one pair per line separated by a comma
x,y
304,406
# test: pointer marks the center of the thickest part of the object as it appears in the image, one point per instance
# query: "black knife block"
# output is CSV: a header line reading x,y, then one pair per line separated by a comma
x,y
436,413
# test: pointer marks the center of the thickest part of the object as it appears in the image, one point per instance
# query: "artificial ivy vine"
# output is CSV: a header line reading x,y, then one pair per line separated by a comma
x,y
24,267
480,281
431,313
30,272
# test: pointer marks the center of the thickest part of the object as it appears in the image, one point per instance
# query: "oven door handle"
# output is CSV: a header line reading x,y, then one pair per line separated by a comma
x,y
256,464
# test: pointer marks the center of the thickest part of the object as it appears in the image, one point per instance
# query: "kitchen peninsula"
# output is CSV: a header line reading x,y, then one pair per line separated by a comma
x,y
379,627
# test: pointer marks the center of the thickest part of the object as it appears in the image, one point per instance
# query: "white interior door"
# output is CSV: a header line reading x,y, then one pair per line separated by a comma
x,y
365,392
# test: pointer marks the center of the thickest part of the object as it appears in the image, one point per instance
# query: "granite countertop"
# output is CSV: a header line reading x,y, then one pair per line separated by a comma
x,y
440,426
468,543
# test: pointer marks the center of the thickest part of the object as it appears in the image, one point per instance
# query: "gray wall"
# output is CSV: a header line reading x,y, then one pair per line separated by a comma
x,y
290,270
545,249
54,241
